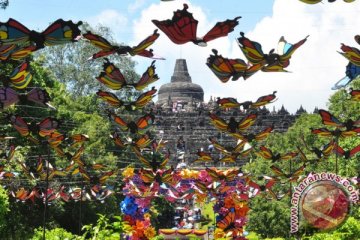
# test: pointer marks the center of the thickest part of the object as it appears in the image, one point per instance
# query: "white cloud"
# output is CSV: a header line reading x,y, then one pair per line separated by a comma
x,y
314,67
112,19
136,5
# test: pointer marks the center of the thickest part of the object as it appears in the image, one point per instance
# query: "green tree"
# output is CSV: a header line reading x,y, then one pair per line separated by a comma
x,y
4,206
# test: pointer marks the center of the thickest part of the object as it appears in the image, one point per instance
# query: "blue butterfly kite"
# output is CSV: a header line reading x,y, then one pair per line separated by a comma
x,y
352,72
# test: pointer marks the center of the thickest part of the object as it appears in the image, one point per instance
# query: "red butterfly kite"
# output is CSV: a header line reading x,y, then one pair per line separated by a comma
x,y
226,69
107,48
271,62
15,52
261,101
329,119
252,136
346,154
324,132
292,177
59,32
351,53
182,28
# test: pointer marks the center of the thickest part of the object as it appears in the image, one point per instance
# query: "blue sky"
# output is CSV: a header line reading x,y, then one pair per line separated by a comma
x,y
314,67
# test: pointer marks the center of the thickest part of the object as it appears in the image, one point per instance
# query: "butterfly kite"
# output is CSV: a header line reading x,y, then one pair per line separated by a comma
x,y
112,77
9,97
138,126
271,62
19,78
139,103
232,126
226,69
318,1
107,48
15,52
182,28
347,154
352,72
60,32
292,176
330,120
266,153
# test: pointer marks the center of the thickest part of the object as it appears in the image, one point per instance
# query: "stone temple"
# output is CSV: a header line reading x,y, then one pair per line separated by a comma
x,y
182,119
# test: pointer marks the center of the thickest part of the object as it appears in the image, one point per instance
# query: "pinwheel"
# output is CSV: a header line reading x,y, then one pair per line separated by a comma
x,y
137,127
139,103
226,69
266,153
107,48
272,62
112,78
330,120
59,32
355,94
8,97
292,176
19,78
347,154
261,101
352,72
232,126
182,28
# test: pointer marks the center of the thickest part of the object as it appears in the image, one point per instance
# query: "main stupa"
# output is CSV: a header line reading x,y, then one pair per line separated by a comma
x,y
181,88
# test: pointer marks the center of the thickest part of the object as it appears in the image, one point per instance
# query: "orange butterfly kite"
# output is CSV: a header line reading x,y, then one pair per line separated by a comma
x,y
107,48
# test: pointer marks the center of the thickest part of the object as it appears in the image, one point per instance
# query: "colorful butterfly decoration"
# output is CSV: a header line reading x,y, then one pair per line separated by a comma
x,y
231,153
318,1
203,157
292,177
330,120
43,128
354,94
232,126
266,153
252,136
227,175
154,163
351,53
15,52
9,97
141,101
348,153
228,225
261,101
226,69
159,176
272,62
182,28
19,78
107,48
138,143
352,72
59,32
262,188
9,154
112,77
138,126
324,132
